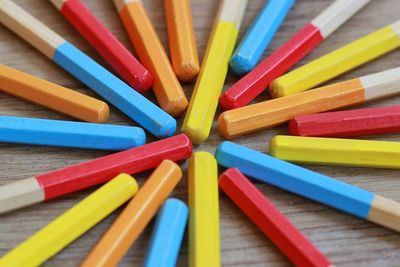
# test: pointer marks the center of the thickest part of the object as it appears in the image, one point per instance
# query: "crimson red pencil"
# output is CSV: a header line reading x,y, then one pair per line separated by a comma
x,y
77,177
270,220
348,123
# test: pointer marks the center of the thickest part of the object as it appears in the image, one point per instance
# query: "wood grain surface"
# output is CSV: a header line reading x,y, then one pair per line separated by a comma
x,y
346,240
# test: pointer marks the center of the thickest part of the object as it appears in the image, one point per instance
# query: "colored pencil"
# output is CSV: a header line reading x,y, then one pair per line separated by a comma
x,y
270,220
52,96
233,123
338,62
259,36
134,218
204,240
151,53
204,101
336,151
348,123
323,189
291,52
182,41
50,240
122,61
31,131
71,59
77,177
167,236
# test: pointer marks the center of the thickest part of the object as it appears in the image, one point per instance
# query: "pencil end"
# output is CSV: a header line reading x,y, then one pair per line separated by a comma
x,y
223,126
175,107
142,83
385,212
186,72
20,194
241,64
276,90
103,113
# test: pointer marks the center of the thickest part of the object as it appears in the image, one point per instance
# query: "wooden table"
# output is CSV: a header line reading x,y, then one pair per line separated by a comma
x,y
346,240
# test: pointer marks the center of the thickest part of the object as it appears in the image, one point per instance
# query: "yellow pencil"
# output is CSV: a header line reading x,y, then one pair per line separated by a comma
x,y
335,151
204,101
71,224
204,244
338,62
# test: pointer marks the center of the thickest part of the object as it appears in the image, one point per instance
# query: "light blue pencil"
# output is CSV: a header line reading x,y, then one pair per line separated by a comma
x,y
167,235
318,187
20,130
261,32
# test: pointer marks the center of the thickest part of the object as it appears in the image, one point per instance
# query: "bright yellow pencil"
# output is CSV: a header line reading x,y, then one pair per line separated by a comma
x,y
71,224
338,62
204,101
204,244
335,151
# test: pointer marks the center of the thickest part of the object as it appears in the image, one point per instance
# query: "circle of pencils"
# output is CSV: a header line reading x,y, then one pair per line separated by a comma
x,y
318,131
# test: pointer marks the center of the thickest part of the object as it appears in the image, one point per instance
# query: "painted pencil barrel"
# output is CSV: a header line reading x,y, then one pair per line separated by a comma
x,y
167,236
204,240
168,91
83,175
52,96
335,151
72,224
263,115
204,101
338,62
115,91
260,34
181,37
295,179
134,218
69,134
126,65
256,81
291,52
348,123
270,220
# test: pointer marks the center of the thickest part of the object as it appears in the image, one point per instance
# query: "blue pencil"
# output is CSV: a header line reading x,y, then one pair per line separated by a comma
x,y
167,235
260,34
309,184
30,131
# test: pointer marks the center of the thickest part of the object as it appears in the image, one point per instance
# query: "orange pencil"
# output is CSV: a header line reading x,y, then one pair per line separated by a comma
x,y
182,41
263,115
152,55
52,96
134,218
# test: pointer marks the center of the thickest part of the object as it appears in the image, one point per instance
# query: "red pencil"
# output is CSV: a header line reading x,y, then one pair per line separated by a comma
x,y
125,64
348,123
285,57
80,176
270,220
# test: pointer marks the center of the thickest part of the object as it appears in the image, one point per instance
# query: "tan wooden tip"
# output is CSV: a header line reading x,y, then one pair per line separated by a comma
x,y
385,212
